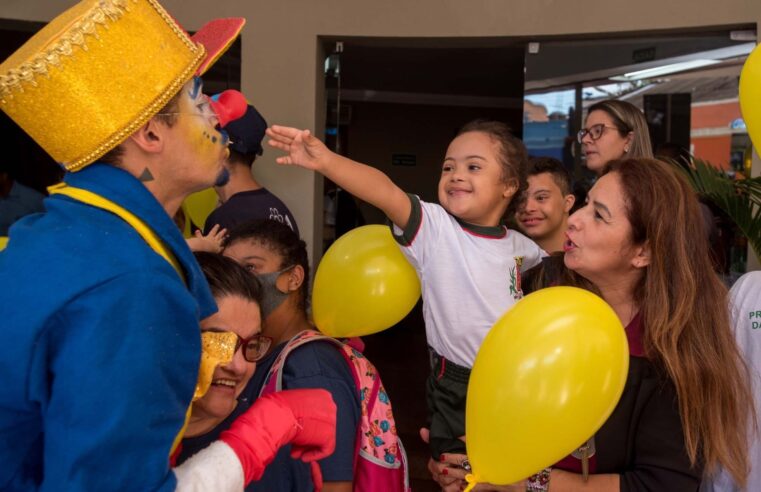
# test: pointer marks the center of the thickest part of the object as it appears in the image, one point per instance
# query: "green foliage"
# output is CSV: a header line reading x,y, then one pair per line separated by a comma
x,y
739,199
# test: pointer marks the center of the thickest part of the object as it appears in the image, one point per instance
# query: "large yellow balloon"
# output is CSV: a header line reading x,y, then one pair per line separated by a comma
x,y
363,284
750,96
547,376
199,205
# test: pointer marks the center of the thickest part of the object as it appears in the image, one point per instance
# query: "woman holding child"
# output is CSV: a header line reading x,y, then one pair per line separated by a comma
x,y
687,397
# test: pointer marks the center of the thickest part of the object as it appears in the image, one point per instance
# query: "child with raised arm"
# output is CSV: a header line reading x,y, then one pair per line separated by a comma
x,y
468,262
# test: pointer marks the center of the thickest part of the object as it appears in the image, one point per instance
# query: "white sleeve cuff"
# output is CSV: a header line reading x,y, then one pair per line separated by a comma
x,y
213,469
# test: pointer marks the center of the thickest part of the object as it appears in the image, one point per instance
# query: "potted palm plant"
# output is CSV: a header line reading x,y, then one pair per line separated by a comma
x,y
739,199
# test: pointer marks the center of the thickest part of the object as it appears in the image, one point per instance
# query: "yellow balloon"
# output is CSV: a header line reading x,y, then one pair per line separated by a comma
x,y
547,376
363,284
3,242
199,205
750,96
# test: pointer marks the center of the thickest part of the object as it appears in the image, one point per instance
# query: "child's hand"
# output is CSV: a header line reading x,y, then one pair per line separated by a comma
x,y
302,147
211,243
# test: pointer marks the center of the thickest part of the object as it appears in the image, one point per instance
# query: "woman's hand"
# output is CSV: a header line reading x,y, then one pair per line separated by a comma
x,y
448,471
451,469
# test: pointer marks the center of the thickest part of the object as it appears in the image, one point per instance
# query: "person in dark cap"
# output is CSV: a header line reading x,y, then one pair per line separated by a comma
x,y
243,198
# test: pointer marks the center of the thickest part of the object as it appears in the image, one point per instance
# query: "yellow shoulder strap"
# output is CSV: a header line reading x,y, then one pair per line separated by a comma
x,y
145,232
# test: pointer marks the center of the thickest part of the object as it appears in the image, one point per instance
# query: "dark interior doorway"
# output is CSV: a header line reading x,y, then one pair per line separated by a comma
x,y
395,104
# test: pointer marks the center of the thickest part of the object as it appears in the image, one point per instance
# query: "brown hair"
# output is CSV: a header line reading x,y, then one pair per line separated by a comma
x,y
227,278
167,115
627,118
685,310
512,155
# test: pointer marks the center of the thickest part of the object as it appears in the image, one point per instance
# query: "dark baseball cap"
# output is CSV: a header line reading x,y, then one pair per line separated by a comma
x,y
247,132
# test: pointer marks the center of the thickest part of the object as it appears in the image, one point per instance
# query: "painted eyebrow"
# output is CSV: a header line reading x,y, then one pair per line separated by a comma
x,y
215,330
197,87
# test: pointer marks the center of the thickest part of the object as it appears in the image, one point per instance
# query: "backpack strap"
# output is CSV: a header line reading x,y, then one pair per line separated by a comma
x,y
274,380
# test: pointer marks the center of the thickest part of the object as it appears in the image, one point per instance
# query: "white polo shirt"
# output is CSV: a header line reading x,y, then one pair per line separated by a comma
x,y
745,301
470,276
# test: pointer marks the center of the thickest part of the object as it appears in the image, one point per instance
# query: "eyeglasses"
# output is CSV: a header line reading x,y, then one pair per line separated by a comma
x,y
594,132
213,119
254,347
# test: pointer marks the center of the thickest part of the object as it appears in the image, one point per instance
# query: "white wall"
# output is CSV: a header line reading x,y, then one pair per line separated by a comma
x,y
282,63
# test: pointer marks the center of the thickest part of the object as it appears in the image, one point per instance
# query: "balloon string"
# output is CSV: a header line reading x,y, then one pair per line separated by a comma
x,y
471,479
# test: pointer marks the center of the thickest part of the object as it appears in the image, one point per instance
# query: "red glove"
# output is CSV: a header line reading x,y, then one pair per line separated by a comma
x,y
306,418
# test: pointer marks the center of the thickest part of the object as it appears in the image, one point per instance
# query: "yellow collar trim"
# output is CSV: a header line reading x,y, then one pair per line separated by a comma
x,y
145,232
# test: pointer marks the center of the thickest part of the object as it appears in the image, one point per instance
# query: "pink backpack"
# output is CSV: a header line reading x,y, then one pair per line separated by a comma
x,y
380,462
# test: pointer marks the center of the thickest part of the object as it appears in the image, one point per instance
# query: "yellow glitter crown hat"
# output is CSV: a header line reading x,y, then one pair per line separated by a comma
x,y
99,71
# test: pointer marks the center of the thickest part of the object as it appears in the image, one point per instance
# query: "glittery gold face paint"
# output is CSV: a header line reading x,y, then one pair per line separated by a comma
x,y
224,369
217,348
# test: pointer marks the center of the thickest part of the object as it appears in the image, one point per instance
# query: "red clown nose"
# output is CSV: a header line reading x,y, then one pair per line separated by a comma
x,y
228,106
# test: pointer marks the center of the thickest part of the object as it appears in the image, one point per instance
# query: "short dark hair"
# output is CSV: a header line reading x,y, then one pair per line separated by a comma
x,y
242,159
552,166
513,155
114,156
280,239
227,278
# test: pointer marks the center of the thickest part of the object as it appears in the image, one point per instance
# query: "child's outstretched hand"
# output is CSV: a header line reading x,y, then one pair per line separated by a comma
x,y
302,147
211,243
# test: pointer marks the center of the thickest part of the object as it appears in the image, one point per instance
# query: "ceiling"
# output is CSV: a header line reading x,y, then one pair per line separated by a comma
x,y
495,71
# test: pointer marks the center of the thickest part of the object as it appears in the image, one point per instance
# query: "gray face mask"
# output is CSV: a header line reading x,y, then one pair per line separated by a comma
x,y
272,297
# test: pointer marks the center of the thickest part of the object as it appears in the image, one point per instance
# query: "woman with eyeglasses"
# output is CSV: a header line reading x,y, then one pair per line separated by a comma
x,y
232,343
238,297
613,130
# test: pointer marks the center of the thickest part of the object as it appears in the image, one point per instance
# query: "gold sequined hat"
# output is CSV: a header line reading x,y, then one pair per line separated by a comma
x,y
100,70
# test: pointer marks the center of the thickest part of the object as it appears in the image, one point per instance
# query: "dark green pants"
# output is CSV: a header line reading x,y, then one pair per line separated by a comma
x,y
446,391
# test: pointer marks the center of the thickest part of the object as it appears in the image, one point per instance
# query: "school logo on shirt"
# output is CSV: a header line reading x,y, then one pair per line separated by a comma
x,y
515,278
276,215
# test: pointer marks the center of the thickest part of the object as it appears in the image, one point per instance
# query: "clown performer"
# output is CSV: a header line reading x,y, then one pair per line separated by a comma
x,y
101,297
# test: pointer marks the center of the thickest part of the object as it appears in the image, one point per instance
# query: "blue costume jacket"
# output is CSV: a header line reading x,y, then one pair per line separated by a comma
x,y
99,343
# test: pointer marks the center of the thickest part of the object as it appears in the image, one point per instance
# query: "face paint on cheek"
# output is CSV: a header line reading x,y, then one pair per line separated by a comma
x,y
216,349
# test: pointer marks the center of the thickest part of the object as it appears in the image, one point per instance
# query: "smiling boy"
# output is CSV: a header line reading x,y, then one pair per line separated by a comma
x,y
543,214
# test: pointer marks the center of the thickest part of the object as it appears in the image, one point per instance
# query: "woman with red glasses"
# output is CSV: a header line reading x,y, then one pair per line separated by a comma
x,y
232,343
238,297
613,130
